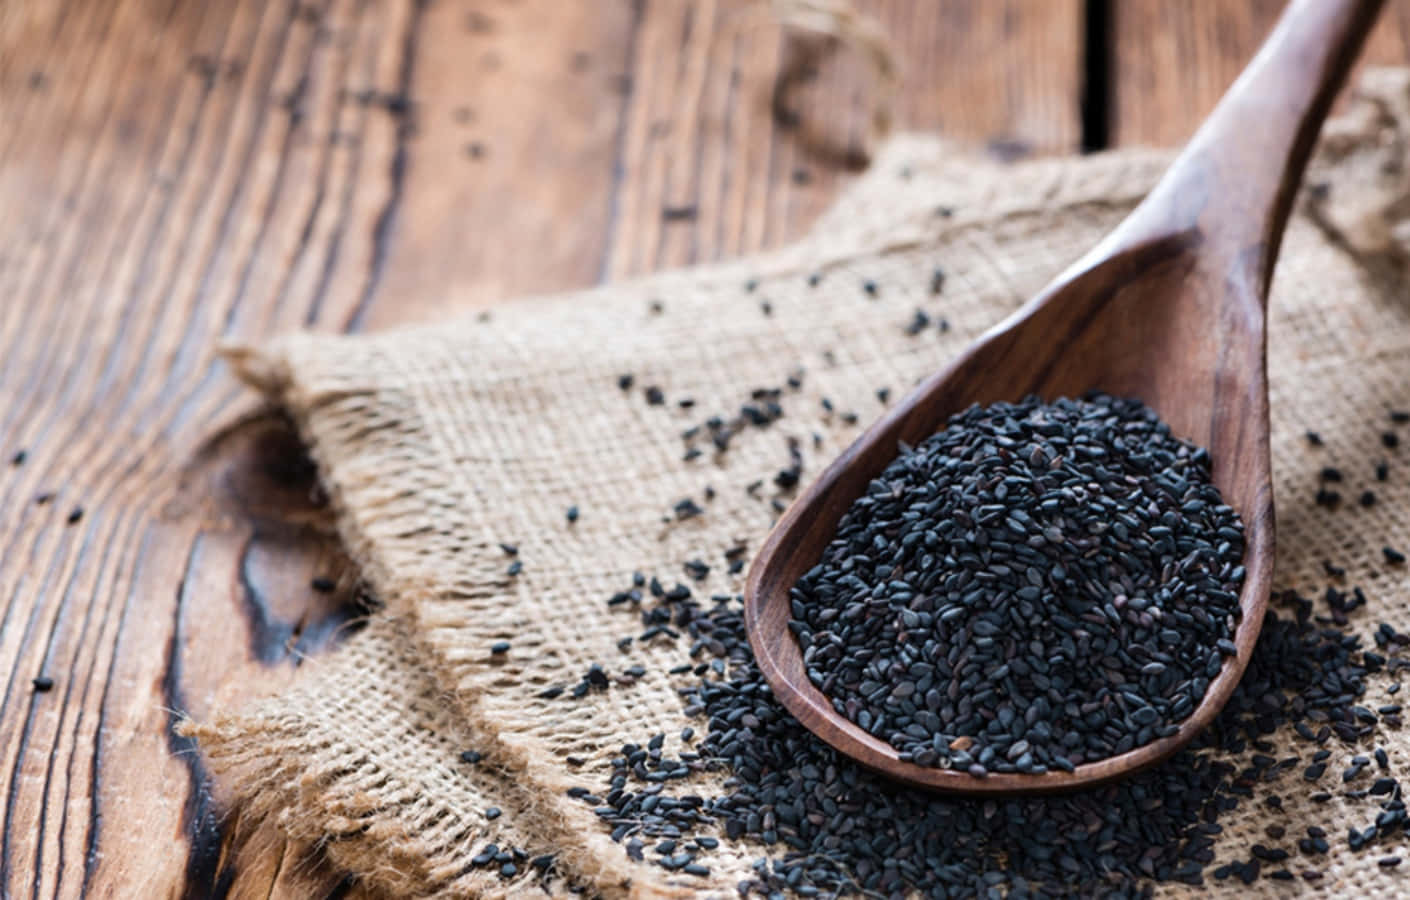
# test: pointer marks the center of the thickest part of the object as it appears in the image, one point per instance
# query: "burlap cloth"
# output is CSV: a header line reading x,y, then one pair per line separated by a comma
x,y
440,442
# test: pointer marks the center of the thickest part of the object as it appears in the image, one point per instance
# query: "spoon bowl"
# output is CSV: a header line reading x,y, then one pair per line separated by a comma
x,y
1169,309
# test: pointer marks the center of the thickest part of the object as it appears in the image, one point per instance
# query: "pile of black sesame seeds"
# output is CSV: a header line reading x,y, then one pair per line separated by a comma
x,y
826,824
1035,586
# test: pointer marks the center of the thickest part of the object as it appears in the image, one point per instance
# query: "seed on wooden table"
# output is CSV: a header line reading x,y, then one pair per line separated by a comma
x,y
42,684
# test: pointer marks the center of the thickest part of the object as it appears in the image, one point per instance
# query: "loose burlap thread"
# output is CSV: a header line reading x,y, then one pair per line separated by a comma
x,y
440,442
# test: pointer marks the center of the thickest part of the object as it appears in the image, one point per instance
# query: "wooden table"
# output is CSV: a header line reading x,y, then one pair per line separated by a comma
x,y
176,171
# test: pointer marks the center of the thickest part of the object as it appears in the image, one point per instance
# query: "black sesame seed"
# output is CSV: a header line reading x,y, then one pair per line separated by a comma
x,y
323,584
626,381
42,684
870,288
470,756
499,647
920,320
1390,440
515,568
1393,556
1314,439
571,514
19,458
492,813
655,396
75,514
937,280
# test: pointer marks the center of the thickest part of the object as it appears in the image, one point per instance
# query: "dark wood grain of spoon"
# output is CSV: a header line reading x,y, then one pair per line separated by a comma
x,y
1169,308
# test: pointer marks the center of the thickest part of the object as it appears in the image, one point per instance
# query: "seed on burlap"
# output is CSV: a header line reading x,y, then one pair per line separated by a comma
x,y
655,396
515,567
1393,556
937,280
1390,440
470,756
968,591
571,514
499,647
626,381
1314,439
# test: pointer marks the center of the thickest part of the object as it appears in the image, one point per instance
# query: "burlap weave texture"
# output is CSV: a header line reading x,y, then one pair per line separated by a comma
x,y
438,443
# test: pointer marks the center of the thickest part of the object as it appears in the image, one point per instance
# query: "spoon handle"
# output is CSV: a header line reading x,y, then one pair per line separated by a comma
x,y
1232,187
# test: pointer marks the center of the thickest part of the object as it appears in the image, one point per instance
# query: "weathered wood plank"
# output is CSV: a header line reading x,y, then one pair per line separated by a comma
x,y
174,172
1171,62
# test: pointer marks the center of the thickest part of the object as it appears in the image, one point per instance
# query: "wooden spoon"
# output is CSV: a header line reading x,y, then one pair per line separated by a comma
x,y
1169,308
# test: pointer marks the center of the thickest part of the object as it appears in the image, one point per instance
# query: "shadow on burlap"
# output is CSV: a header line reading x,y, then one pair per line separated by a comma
x,y
439,443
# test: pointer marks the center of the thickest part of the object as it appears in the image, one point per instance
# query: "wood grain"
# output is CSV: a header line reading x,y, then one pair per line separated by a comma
x,y
1170,309
173,172
1171,61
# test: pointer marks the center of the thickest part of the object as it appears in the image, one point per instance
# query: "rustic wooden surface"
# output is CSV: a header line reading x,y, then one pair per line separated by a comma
x,y
173,172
